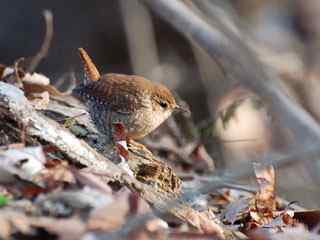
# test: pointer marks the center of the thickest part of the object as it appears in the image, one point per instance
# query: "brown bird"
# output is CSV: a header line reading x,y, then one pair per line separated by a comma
x,y
137,103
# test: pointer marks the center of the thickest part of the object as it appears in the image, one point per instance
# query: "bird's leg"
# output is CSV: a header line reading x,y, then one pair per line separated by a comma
x,y
120,140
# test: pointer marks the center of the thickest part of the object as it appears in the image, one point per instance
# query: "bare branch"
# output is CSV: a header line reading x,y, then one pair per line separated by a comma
x,y
233,54
48,17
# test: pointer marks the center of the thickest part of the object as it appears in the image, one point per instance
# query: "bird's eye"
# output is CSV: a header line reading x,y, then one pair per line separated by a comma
x,y
163,104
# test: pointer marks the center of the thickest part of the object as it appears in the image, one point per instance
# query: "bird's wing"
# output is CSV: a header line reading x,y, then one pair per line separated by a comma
x,y
112,90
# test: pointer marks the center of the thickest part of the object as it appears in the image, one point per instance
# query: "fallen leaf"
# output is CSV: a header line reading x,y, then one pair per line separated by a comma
x,y
32,88
265,175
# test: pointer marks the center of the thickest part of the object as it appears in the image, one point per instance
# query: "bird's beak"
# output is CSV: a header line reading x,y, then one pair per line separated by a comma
x,y
183,109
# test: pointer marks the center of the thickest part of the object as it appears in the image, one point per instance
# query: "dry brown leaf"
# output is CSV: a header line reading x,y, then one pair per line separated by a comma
x,y
265,175
32,83
260,210
31,88
284,219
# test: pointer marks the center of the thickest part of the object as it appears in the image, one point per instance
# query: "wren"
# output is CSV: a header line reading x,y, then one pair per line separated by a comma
x,y
137,103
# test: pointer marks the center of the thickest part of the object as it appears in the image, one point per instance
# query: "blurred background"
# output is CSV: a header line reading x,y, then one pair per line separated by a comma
x,y
233,122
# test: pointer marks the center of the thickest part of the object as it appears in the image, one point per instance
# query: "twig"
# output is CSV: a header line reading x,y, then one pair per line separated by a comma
x,y
48,17
16,69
